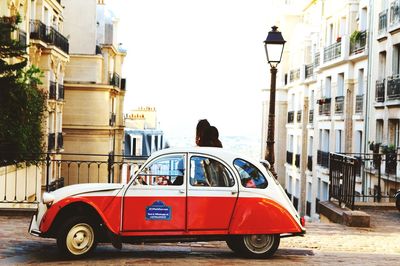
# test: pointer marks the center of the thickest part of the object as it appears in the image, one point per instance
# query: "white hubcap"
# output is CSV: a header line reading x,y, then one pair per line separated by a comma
x,y
80,238
259,243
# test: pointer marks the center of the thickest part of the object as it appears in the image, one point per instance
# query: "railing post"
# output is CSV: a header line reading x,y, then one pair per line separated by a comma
x,y
47,172
379,195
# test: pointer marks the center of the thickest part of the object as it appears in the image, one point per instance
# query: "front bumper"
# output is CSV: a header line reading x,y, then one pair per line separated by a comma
x,y
33,227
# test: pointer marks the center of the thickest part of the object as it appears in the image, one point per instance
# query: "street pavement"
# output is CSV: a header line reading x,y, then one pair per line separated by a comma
x,y
324,244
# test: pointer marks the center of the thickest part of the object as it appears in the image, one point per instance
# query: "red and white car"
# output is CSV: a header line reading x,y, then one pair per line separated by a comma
x,y
192,194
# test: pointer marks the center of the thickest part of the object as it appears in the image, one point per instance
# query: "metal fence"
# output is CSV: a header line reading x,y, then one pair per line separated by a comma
x,y
365,177
22,181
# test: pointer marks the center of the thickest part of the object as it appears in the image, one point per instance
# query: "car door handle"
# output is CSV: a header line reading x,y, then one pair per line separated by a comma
x,y
182,191
234,192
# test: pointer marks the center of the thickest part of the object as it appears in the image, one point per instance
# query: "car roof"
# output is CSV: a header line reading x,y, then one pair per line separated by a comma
x,y
221,153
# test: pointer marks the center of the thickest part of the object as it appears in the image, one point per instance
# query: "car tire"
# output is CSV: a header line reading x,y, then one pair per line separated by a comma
x,y
77,237
258,246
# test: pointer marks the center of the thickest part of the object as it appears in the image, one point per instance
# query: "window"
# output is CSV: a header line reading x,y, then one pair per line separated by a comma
x,y
165,171
382,65
340,85
209,172
363,19
339,141
358,140
379,131
393,133
360,81
327,90
250,176
396,61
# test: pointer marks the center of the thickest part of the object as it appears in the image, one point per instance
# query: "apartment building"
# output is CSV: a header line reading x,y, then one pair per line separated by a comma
x,y
42,29
325,76
94,90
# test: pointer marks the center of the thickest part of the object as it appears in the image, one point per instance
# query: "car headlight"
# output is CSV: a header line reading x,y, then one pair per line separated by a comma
x,y
48,199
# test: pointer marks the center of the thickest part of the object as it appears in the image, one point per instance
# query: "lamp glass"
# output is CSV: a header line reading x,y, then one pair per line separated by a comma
x,y
274,52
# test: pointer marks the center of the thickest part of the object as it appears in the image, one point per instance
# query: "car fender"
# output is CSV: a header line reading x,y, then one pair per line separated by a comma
x,y
104,212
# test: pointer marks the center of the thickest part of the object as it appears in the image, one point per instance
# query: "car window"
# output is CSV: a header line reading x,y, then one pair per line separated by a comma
x,y
250,176
165,171
209,173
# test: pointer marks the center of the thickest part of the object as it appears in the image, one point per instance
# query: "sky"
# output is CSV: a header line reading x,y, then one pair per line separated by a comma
x,y
195,59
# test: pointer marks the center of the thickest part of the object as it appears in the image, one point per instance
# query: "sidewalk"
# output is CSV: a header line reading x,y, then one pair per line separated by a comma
x,y
380,241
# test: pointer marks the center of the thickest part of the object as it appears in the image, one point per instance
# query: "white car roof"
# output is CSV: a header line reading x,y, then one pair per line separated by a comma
x,y
221,153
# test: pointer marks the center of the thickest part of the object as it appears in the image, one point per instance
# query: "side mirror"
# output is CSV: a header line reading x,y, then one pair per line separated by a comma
x,y
266,164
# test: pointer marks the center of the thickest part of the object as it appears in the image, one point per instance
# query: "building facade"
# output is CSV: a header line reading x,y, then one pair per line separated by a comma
x,y
94,87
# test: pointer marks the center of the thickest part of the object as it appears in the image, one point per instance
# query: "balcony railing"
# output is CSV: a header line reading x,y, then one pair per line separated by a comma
x,y
289,157
112,119
51,141
394,13
290,118
324,106
60,92
380,91
49,35
53,90
309,70
323,158
359,104
297,160
115,80
294,75
382,26
393,88
311,116
317,60
339,105
358,46
60,141
309,162
298,116
332,51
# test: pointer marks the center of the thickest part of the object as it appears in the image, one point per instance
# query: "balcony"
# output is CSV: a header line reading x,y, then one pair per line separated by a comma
x,y
60,92
317,59
309,162
394,18
323,158
358,44
51,141
49,35
289,157
115,80
309,71
60,141
382,26
311,116
111,121
359,104
298,116
294,75
324,106
393,88
332,51
380,91
297,160
53,90
339,105
290,117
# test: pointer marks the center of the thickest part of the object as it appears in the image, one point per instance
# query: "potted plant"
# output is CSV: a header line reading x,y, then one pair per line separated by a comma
x,y
390,158
355,36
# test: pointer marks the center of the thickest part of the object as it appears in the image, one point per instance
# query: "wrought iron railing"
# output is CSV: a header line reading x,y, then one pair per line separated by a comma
x,y
53,90
48,34
332,51
290,116
294,75
317,58
311,116
298,116
323,158
309,70
359,104
339,104
393,88
115,80
358,46
380,91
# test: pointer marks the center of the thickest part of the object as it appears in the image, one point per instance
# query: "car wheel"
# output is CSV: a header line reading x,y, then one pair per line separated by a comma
x,y
77,237
259,246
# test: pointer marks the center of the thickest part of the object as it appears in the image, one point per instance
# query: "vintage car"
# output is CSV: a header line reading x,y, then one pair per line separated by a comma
x,y
178,195
397,197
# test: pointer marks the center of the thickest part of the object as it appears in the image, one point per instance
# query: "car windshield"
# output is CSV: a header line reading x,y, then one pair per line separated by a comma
x,y
250,176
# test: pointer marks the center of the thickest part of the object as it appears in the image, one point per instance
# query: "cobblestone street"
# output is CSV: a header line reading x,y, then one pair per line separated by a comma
x,y
324,244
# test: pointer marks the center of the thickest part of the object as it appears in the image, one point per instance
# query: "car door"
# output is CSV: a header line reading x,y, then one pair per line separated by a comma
x,y
212,194
156,199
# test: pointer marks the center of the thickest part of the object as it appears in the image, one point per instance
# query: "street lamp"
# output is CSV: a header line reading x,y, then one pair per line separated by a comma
x,y
274,48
